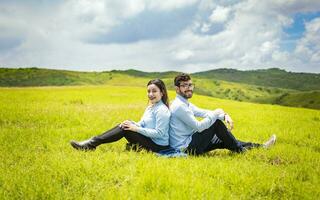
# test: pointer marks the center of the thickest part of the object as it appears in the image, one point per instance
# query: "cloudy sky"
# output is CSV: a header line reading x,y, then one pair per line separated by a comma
x,y
160,35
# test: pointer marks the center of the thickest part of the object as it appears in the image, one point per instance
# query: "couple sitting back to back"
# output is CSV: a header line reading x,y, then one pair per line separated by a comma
x,y
160,128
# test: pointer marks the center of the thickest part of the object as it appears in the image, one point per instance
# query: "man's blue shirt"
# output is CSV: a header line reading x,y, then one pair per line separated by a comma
x,y
183,122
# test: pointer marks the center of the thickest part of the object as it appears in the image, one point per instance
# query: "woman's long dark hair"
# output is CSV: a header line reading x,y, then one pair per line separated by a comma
x,y
160,84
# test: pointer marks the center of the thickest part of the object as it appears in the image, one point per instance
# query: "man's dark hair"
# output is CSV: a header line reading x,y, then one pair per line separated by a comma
x,y
181,77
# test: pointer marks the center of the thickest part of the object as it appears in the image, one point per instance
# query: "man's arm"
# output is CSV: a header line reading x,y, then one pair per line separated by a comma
x,y
198,112
187,116
218,113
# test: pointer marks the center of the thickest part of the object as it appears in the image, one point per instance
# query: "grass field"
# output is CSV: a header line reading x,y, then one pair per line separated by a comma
x,y
37,162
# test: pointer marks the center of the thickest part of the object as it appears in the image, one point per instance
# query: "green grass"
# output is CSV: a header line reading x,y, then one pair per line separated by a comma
x,y
37,162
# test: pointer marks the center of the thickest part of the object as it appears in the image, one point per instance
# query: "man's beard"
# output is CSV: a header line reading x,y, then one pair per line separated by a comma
x,y
185,95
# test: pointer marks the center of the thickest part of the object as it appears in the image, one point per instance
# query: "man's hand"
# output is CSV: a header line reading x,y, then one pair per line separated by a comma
x,y
218,112
228,120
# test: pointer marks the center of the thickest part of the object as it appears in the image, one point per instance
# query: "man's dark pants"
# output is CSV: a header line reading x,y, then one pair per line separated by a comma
x,y
202,141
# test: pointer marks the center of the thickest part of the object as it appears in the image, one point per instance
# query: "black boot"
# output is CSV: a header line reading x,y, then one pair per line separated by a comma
x,y
84,145
109,136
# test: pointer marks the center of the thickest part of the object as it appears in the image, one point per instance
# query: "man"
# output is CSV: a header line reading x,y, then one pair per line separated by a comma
x,y
198,137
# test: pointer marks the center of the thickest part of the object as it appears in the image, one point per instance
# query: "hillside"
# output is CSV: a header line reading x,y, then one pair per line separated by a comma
x,y
205,85
304,99
46,77
273,77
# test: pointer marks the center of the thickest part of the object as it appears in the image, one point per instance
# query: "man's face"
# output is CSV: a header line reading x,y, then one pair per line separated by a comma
x,y
185,89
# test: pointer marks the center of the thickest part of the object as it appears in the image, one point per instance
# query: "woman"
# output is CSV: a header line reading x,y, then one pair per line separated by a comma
x,y
151,132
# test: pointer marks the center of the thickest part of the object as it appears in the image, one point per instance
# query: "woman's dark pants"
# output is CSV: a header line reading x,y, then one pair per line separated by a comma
x,y
134,139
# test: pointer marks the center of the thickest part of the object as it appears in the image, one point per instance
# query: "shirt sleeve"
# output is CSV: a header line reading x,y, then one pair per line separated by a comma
x,y
161,129
198,112
218,114
186,115
139,123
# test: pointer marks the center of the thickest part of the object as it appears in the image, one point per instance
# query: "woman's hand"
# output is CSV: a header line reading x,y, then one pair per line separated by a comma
x,y
126,121
129,126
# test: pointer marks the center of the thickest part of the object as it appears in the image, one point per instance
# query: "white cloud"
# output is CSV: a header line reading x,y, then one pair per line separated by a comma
x,y
308,47
284,20
205,27
86,18
268,47
183,54
238,34
219,14
168,5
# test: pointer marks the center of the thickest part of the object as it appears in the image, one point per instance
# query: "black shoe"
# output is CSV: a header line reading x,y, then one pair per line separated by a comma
x,y
241,150
85,145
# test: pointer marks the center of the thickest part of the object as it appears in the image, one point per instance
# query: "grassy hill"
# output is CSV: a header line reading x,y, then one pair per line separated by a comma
x,y
273,77
209,83
46,77
304,99
37,162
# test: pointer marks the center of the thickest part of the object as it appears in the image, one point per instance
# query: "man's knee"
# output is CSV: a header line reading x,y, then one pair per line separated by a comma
x,y
218,123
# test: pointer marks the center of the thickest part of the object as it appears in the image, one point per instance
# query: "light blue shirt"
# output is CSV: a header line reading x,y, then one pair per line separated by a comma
x,y
183,122
155,123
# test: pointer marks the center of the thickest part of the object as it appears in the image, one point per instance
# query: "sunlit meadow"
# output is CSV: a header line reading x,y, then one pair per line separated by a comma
x,y
37,162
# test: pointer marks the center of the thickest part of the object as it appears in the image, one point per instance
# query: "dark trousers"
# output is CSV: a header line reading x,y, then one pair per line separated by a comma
x,y
201,141
134,138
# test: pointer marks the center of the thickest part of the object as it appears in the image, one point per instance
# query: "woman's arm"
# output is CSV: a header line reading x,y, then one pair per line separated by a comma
x,y
162,117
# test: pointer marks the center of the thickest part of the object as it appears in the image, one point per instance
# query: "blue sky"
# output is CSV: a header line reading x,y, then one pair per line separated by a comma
x,y
297,29
160,35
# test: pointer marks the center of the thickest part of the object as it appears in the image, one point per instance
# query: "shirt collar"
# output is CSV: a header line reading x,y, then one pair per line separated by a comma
x,y
181,98
156,104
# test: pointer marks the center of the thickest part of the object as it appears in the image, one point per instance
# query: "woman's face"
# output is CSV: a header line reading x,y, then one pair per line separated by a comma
x,y
154,93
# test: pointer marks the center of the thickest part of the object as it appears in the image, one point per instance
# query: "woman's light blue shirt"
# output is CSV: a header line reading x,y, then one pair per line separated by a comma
x,y
155,123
